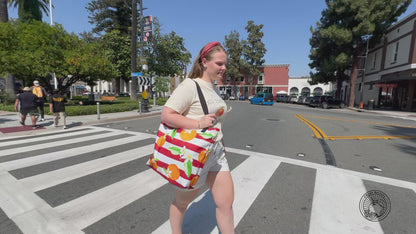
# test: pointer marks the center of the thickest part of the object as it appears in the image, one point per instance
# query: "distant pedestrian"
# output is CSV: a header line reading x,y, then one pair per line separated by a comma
x,y
40,92
57,107
27,101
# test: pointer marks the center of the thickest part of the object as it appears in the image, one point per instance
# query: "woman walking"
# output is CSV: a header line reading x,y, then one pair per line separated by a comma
x,y
183,110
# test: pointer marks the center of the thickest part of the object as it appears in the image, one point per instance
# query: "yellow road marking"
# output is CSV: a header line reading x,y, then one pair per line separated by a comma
x,y
321,134
359,121
318,133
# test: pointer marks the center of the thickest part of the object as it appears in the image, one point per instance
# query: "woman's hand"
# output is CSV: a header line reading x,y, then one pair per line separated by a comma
x,y
207,121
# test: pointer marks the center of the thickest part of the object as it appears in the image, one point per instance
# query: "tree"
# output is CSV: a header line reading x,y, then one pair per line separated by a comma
x,y
161,84
254,49
108,15
343,25
167,54
30,9
4,14
32,50
118,47
235,62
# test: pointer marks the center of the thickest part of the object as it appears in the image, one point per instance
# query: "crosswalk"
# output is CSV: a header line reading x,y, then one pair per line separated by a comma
x,y
94,180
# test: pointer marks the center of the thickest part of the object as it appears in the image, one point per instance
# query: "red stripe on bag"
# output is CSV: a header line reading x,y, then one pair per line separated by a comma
x,y
178,158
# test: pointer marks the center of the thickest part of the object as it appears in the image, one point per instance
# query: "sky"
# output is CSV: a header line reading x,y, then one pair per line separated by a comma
x,y
286,24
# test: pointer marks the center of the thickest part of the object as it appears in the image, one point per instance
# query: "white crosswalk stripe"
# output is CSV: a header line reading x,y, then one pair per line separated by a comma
x,y
334,207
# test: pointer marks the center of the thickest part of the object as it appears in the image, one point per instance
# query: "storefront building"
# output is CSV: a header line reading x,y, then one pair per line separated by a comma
x,y
389,77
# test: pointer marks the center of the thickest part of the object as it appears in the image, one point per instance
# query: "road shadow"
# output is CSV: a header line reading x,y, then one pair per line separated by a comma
x,y
200,216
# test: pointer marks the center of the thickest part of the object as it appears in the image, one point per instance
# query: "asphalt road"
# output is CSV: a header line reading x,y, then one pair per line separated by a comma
x,y
296,170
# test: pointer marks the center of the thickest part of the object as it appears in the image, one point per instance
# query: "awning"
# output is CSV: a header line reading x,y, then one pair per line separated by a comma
x,y
281,92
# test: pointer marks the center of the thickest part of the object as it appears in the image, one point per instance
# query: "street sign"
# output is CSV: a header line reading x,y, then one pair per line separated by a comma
x,y
145,94
145,81
136,74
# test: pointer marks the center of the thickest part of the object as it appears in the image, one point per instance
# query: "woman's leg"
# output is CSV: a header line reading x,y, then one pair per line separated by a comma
x,y
178,208
222,188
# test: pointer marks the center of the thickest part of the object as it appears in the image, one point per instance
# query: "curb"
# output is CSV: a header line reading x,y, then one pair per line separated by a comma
x,y
86,123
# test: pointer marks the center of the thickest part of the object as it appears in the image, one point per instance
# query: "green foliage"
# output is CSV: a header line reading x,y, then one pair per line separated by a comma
x,y
33,50
161,84
118,46
234,47
109,15
166,53
244,56
254,49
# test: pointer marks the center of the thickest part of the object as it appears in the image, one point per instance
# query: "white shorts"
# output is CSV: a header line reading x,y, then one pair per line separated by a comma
x,y
215,162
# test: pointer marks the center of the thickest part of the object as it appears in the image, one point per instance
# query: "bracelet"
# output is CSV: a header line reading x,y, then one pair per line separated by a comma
x,y
198,124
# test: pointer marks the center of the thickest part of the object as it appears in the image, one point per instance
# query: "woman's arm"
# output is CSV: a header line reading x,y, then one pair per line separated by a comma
x,y
176,120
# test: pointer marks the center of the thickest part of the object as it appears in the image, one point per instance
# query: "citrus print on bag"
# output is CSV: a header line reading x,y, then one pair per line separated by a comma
x,y
180,154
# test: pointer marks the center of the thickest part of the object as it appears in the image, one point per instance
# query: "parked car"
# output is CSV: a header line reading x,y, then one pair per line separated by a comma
x,y
292,99
326,102
301,99
262,99
242,98
281,97
231,98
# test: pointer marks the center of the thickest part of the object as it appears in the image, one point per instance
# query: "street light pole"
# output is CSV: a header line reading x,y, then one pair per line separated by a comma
x,y
134,84
55,83
367,38
50,11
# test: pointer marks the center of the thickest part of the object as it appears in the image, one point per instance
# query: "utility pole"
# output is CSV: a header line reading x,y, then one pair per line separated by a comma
x,y
55,82
134,84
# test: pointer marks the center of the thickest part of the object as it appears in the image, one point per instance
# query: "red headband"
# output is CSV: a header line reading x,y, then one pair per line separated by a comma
x,y
208,48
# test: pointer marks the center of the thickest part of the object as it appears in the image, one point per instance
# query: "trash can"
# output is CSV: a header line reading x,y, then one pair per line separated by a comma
x,y
145,105
370,104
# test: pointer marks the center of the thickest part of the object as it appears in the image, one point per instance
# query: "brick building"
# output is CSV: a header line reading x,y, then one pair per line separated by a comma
x,y
272,79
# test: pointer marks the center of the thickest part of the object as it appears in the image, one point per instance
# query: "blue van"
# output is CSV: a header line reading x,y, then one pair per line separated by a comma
x,y
262,99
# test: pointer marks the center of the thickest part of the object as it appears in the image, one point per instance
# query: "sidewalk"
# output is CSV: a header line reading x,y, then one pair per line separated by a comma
x,y
390,113
10,126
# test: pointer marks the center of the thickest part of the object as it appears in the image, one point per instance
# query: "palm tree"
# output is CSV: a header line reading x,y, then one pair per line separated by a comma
x,y
30,9
4,14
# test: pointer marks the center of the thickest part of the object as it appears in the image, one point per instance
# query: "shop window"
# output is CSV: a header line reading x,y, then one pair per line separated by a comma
x,y
374,61
396,51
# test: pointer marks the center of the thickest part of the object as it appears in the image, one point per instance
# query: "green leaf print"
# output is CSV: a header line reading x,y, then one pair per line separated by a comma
x,y
175,150
173,134
206,135
187,166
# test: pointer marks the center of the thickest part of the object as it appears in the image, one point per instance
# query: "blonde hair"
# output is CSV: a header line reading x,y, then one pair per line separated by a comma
x,y
197,69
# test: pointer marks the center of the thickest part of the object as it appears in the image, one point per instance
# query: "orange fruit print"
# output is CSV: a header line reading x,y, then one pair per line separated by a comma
x,y
194,180
153,163
203,156
187,135
219,112
161,140
173,173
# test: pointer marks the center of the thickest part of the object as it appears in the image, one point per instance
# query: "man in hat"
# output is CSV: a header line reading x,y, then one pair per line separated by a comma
x,y
40,92
27,101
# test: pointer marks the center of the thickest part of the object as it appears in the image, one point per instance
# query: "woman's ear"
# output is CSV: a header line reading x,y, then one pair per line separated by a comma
x,y
204,62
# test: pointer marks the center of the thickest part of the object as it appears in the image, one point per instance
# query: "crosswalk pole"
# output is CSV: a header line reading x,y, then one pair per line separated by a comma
x,y
98,110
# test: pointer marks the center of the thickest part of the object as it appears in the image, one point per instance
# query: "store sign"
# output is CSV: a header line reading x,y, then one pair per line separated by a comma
x,y
382,85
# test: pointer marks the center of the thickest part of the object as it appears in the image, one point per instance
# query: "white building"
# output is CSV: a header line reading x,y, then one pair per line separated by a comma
x,y
300,86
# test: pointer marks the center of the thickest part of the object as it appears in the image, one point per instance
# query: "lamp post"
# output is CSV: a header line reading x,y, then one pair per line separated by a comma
x,y
51,23
366,38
